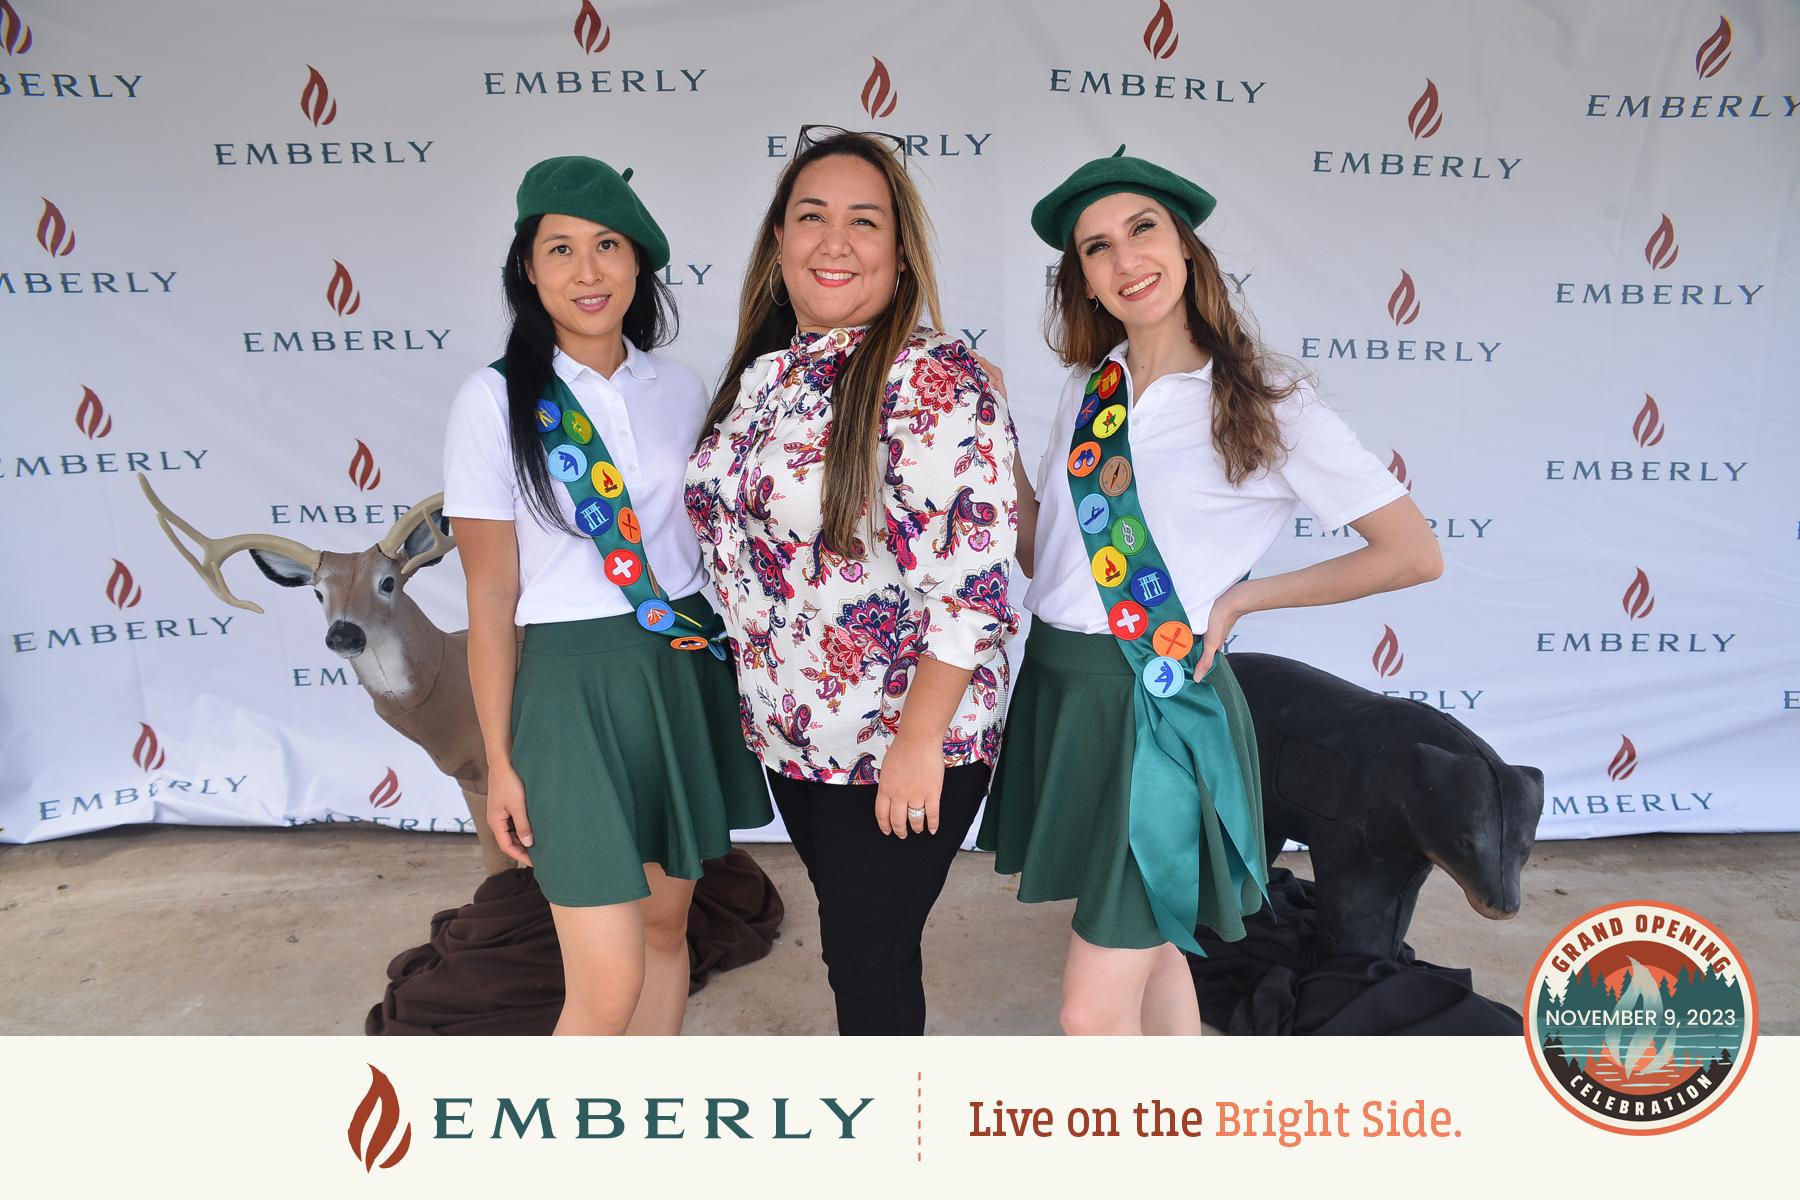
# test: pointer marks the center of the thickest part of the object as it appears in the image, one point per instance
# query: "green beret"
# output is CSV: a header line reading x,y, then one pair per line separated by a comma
x,y
1055,215
589,189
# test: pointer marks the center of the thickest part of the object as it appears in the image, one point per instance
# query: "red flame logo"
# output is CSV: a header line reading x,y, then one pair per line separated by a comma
x,y
387,792
1648,429
1638,602
121,589
380,1096
341,292
1387,658
1624,762
878,95
1160,38
316,104
1397,468
363,471
90,415
591,33
15,34
1715,51
1660,250
53,232
148,753
1403,304
1425,119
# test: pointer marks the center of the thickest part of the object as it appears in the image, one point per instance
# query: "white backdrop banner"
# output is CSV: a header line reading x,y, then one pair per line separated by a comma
x,y
1540,255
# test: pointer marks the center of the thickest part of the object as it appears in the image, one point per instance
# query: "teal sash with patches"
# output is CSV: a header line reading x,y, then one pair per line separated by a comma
x,y
1184,745
579,459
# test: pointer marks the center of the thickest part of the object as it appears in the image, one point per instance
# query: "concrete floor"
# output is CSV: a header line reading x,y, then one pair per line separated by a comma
x,y
212,931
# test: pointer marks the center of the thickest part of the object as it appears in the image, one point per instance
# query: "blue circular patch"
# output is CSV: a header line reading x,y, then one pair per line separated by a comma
x,y
567,463
1163,677
594,515
1150,586
656,615
1093,512
549,415
1088,408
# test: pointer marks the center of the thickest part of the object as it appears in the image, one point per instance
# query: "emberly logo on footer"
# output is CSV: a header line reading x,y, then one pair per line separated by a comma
x,y
1618,769
1423,121
1637,601
149,756
1160,39
319,108
123,592
55,236
1404,307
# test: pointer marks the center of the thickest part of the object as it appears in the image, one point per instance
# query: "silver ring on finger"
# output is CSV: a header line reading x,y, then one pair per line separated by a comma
x,y
916,814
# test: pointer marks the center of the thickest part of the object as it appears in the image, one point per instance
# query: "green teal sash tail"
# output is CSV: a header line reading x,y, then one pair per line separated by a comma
x,y
1184,738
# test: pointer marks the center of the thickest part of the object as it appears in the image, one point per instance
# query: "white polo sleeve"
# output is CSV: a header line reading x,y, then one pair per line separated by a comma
x,y
478,473
1326,466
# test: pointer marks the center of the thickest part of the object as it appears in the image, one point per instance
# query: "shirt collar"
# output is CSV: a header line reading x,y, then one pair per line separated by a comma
x,y
1204,374
832,340
636,362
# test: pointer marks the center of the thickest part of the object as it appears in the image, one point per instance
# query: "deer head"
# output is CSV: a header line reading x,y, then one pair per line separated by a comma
x,y
363,594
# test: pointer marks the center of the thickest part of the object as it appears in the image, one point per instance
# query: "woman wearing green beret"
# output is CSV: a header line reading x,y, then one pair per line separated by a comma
x,y
614,762
1179,451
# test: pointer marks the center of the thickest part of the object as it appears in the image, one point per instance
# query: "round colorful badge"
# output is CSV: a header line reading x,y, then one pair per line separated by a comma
x,y
1109,567
623,568
607,480
1110,421
1115,476
549,415
1092,512
595,516
690,642
1150,586
567,463
1088,408
656,615
1111,375
577,426
1129,535
1083,459
1163,677
629,529
1128,620
1172,639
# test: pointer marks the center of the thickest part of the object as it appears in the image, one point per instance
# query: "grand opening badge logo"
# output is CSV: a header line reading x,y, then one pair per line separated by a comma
x,y
1641,1017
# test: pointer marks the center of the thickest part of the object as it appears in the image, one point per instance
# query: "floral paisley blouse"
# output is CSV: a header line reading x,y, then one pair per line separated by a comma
x,y
824,645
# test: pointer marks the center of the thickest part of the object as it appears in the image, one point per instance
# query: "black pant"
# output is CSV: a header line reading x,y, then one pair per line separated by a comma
x,y
875,891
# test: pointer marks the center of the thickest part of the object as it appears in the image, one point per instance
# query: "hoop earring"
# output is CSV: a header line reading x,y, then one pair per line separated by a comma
x,y
774,275
1095,302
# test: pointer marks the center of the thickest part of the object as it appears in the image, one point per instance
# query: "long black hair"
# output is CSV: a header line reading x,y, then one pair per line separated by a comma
x,y
650,321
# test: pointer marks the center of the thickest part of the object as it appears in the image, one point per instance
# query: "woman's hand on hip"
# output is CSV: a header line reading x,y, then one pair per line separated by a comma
x,y
506,812
1225,613
912,778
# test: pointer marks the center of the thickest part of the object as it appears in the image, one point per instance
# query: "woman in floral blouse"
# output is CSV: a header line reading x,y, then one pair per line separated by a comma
x,y
853,495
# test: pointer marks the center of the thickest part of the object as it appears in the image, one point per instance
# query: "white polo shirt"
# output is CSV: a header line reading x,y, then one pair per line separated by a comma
x,y
1210,533
649,415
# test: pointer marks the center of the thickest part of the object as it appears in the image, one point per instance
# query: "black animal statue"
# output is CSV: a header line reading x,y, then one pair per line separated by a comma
x,y
1380,790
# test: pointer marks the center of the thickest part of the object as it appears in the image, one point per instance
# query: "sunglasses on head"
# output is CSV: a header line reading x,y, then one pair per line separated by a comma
x,y
813,135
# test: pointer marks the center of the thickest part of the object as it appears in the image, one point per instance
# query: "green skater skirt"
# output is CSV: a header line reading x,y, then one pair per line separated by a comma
x,y
1059,812
631,752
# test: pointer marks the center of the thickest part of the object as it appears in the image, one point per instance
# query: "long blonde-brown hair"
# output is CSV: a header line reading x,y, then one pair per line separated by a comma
x,y
1245,375
852,473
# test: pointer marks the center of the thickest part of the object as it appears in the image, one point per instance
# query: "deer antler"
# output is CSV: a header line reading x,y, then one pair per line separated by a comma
x,y
217,550
395,538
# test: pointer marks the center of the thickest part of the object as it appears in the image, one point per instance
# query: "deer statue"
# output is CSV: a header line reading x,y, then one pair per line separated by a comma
x,y
416,675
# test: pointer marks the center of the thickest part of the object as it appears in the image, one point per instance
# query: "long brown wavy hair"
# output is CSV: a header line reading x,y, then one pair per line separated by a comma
x,y
852,470
1245,375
